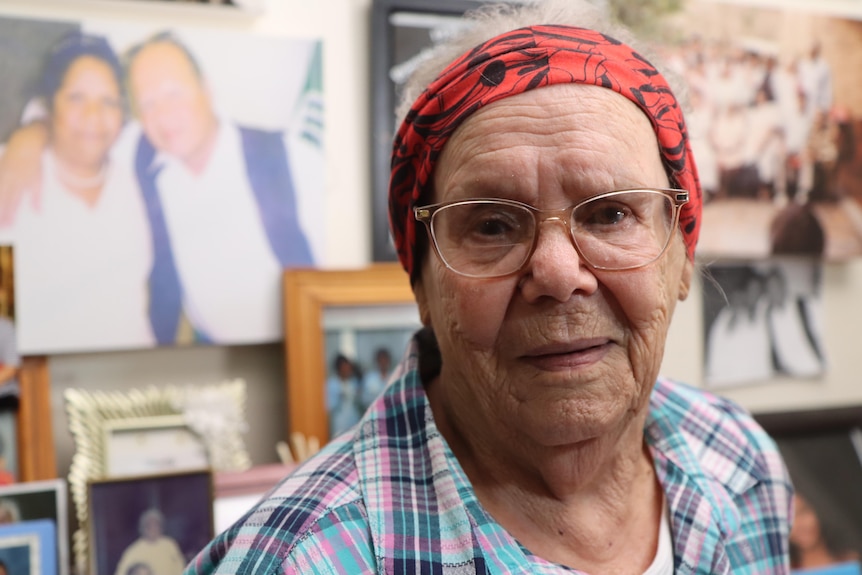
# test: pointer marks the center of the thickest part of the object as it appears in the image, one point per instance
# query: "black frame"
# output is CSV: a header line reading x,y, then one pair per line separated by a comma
x,y
383,104
822,449
792,424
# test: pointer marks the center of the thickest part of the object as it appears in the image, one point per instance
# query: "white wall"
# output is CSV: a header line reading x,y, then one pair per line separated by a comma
x,y
343,26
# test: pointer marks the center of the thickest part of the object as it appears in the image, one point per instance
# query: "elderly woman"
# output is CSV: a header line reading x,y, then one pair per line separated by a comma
x,y
546,206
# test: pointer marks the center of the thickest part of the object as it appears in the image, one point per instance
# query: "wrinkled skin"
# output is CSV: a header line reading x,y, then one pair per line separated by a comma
x,y
547,373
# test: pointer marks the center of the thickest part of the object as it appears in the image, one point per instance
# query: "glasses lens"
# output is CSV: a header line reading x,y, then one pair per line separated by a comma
x,y
483,238
623,229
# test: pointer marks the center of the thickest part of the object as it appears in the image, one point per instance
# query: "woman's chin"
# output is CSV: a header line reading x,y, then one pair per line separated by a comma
x,y
576,427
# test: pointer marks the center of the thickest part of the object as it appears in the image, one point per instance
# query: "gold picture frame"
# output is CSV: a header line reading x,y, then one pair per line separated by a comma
x,y
307,295
216,413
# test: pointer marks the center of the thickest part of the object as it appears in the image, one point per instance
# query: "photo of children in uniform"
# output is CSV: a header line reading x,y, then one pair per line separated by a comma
x,y
763,320
359,344
776,124
148,166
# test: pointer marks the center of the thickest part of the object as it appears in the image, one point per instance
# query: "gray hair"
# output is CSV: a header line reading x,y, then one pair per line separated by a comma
x,y
494,19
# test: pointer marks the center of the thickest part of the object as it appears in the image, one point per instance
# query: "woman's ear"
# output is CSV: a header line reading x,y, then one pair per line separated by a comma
x,y
422,302
685,279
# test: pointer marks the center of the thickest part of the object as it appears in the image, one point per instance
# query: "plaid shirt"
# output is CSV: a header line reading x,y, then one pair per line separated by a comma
x,y
390,497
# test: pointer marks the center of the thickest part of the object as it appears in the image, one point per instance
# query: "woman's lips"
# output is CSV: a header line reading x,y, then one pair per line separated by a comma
x,y
568,355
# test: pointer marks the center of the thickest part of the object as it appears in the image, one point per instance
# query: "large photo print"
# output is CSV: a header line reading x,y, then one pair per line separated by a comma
x,y
775,118
155,183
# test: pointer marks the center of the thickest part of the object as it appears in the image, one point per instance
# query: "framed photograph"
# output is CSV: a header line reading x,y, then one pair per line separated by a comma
x,y
39,501
400,31
763,320
775,123
144,445
822,449
29,547
211,417
159,521
269,125
323,306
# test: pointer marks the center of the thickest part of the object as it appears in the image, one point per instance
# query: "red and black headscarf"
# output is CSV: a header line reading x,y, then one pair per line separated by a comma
x,y
515,62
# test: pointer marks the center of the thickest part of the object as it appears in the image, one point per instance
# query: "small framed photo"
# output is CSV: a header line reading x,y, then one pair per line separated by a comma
x,y
340,313
29,547
39,501
177,428
361,346
157,521
149,445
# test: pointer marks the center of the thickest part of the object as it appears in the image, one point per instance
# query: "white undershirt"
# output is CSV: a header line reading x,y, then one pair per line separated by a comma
x,y
662,564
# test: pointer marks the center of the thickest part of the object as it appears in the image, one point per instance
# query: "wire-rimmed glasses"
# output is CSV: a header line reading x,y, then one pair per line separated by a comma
x,y
493,237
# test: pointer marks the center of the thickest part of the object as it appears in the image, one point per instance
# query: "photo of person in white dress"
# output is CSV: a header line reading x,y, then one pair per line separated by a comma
x,y
86,246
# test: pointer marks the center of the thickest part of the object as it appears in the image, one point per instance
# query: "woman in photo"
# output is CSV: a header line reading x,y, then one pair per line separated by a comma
x,y
86,246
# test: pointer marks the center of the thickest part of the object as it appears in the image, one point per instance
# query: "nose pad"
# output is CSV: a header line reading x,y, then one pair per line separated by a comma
x,y
555,270
548,251
561,221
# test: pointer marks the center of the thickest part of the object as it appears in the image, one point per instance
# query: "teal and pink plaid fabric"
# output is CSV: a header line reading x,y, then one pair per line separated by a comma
x,y
389,497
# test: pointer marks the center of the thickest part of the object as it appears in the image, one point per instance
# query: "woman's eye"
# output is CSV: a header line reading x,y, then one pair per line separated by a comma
x,y
493,226
488,223
605,215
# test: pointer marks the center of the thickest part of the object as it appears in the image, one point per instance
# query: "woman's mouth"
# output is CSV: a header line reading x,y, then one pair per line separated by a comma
x,y
568,355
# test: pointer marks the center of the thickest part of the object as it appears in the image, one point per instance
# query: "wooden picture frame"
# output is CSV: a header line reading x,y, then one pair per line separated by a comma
x,y
392,44
36,453
307,294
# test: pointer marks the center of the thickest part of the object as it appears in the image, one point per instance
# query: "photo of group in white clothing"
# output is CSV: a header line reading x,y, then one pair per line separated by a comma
x,y
775,118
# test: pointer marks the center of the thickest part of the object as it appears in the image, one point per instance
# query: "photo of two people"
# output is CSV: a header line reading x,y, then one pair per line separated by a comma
x,y
142,168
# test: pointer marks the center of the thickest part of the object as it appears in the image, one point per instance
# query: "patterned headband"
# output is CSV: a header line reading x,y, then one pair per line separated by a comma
x,y
513,63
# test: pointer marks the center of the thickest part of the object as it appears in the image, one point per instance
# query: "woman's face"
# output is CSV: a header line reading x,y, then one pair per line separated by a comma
x,y
556,353
87,113
805,533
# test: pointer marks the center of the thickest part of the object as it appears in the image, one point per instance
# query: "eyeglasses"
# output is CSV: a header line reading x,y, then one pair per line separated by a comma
x,y
491,237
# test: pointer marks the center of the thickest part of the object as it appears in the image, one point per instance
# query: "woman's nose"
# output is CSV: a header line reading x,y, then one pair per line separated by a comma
x,y
556,269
